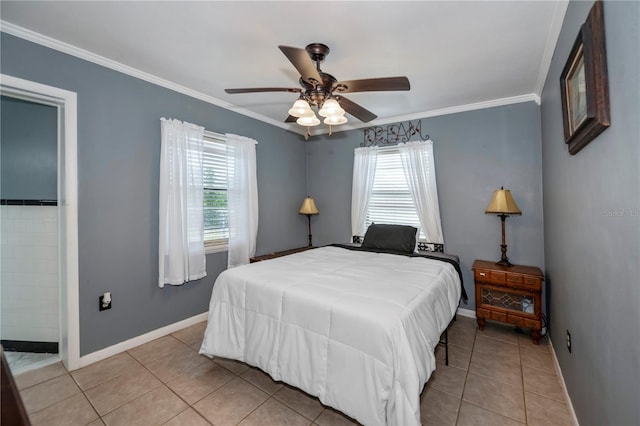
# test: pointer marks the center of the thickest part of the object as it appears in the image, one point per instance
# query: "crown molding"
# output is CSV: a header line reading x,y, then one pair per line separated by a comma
x,y
550,46
69,49
530,97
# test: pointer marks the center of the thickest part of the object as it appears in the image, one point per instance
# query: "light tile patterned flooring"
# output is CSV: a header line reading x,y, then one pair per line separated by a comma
x,y
494,377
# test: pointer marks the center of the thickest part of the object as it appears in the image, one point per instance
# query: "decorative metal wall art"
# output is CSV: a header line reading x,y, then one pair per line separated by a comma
x,y
393,134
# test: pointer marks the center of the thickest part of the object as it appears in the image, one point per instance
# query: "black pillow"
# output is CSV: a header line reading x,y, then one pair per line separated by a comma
x,y
400,238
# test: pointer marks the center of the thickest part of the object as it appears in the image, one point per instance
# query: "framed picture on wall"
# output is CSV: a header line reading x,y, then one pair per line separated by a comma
x,y
584,84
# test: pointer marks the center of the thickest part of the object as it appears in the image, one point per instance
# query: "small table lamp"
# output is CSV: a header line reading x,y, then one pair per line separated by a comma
x,y
503,205
309,208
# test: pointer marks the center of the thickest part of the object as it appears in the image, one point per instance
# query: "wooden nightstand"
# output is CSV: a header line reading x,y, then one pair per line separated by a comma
x,y
509,294
278,254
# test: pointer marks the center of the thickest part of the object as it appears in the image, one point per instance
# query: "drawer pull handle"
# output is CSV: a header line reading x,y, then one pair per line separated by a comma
x,y
482,274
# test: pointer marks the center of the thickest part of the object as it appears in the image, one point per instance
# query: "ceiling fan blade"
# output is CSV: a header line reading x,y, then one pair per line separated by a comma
x,y
373,85
263,89
290,119
302,62
356,110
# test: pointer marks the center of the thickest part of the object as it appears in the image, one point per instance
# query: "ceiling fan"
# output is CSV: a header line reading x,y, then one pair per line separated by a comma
x,y
323,91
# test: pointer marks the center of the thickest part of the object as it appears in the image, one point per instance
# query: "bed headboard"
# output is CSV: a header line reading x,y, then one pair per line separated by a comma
x,y
422,246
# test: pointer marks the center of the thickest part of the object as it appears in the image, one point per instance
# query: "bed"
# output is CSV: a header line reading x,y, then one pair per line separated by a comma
x,y
354,326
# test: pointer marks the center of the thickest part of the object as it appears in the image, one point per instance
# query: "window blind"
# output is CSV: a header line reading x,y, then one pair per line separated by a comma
x,y
214,163
391,200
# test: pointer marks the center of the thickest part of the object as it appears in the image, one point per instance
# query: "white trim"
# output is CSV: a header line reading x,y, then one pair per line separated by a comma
x,y
60,46
139,340
438,112
466,313
66,102
69,49
572,412
550,46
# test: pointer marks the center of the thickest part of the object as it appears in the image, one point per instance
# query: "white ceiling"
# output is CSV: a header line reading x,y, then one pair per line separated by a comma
x,y
457,55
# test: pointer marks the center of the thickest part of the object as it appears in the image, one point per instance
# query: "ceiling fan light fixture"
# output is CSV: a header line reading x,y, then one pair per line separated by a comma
x,y
309,121
331,108
335,121
308,113
300,108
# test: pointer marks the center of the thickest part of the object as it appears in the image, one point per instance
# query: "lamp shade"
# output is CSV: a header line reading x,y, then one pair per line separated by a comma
x,y
331,108
300,108
308,206
308,120
334,121
503,203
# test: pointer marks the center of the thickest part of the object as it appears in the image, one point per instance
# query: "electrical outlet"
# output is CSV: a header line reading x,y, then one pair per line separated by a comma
x,y
104,301
569,341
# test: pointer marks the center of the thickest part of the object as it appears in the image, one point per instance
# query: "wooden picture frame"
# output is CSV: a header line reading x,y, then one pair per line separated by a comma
x,y
584,84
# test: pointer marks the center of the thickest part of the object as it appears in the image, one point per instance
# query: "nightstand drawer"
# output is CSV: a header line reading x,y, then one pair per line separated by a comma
x,y
514,279
498,316
532,281
497,277
533,324
517,320
483,313
492,277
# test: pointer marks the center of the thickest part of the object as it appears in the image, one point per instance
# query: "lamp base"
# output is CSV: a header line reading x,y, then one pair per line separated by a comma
x,y
504,260
309,219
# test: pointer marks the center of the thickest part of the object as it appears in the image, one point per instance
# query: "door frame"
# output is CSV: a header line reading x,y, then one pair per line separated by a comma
x,y
66,103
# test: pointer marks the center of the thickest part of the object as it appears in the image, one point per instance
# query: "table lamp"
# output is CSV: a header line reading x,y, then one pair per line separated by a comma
x,y
503,205
309,208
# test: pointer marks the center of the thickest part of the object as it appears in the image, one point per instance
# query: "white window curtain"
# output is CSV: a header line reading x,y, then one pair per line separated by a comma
x,y
181,245
364,172
242,199
420,172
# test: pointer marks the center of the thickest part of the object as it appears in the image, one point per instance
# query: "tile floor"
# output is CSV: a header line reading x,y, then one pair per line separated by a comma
x,y
494,377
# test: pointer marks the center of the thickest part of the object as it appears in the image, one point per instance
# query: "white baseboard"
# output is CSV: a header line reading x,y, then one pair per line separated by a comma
x,y
467,313
139,340
172,328
572,412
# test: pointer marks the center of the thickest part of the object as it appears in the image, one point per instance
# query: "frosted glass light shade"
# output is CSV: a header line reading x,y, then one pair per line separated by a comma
x,y
331,108
334,121
300,108
309,120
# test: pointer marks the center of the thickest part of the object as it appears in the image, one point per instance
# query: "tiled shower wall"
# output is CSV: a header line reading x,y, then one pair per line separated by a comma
x,y
29,309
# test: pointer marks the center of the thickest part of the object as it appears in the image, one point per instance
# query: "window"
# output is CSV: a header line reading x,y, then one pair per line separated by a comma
x,y
391,201
214,176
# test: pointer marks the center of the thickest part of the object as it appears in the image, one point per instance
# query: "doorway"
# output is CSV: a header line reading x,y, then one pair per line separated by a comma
x,y
65,104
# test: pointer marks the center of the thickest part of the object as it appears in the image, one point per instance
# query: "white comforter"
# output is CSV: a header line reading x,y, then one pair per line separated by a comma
x,y
356,329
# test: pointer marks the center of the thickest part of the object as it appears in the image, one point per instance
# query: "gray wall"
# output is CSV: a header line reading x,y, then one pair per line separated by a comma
x,y
476,152
592,230
28,151
118,169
